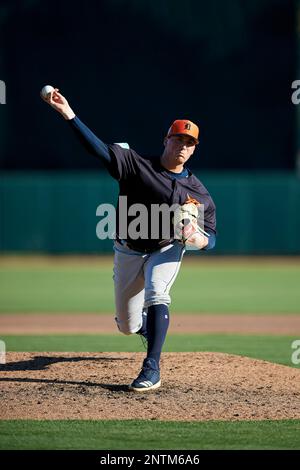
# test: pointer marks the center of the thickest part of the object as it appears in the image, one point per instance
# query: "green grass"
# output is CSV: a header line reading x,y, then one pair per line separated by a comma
x,y
238,289
270,348
200,287
56,289
112,435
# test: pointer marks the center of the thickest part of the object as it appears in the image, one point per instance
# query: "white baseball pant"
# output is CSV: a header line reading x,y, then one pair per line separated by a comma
x,y
142,280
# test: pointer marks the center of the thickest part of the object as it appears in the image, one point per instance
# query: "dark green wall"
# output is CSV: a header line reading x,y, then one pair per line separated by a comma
x,y
55,212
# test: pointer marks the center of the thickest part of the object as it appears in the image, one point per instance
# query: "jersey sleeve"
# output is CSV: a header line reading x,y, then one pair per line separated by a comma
x,y
89,140
210,218
124,162
211,240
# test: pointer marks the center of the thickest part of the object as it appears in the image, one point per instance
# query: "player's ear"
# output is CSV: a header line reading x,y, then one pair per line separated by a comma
x,y
165,141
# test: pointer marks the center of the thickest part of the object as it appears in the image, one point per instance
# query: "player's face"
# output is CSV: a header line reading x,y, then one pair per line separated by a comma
x,y
180,147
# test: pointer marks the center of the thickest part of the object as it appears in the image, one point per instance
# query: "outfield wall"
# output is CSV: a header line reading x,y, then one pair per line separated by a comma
x,y
55,212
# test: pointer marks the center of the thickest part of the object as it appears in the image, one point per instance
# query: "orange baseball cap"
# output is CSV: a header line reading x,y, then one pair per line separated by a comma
x,y
184,126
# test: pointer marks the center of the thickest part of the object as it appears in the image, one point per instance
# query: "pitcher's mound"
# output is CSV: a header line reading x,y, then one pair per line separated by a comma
x,y
195,386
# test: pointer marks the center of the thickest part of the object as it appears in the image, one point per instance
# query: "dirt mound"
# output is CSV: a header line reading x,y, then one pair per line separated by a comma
x,y
195,386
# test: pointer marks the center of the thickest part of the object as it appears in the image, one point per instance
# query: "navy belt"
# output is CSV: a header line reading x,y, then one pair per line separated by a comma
x,y
133,247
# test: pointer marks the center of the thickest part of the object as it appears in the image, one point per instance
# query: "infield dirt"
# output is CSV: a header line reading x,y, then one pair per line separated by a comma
x,y
195,386
83,323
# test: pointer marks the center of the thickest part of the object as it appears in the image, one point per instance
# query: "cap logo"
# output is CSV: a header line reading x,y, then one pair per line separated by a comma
x,y
187,126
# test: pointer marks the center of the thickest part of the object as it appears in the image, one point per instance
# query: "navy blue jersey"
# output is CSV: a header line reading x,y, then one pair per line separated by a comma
x,y
143,180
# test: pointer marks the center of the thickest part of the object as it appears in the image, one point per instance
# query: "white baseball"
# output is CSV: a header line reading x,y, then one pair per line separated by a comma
x,y
46,90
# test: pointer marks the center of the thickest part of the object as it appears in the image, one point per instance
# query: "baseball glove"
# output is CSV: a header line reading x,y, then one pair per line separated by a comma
x,y
186,228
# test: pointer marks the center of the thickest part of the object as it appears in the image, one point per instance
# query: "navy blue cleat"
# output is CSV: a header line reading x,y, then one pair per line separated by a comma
x,y
148,378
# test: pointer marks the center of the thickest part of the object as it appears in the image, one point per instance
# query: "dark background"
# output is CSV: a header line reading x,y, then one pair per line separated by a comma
x,y
130,67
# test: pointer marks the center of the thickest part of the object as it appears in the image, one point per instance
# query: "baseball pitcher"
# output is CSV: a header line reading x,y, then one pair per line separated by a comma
x,y
145,268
